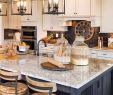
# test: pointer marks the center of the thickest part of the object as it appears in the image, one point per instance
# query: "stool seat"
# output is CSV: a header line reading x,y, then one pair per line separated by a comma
x,y
8,88
42,94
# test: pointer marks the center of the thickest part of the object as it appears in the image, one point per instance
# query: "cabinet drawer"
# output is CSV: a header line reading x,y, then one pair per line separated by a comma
x,y
105,54
93,54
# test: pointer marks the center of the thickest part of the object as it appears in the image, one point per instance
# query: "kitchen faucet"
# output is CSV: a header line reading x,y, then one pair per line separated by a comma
x,y
39,44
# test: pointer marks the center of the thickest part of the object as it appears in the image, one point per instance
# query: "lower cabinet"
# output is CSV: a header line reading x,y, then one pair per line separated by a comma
x,y
101,85
101,54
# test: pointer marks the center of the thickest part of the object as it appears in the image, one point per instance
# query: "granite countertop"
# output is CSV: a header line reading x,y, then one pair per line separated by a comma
x,y
76,78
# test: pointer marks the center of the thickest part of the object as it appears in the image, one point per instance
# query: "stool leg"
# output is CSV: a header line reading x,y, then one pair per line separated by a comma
x,y
50,92
16,92
28,92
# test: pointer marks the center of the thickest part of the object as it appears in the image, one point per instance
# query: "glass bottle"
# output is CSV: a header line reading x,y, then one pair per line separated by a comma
x,y
80,52
62,51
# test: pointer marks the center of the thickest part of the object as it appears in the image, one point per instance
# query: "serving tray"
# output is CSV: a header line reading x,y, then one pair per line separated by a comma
x,y
49,66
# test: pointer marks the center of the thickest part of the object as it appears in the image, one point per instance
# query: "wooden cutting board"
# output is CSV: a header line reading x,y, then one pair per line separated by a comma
x,y
13,57
49,66
2,57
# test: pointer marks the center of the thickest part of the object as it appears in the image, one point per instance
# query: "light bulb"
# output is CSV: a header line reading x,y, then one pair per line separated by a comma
x,y
50,1
56,1
21,4
25,4
0,6
18,4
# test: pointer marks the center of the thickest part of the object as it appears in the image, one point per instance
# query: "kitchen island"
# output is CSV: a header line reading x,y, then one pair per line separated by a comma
x,y
94,79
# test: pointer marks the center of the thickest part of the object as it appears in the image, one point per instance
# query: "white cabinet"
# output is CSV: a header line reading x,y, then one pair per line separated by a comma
x,y
77,7
101,54
52,23
107,16
93,53
11,21
14,22
96,13
105,54
34,16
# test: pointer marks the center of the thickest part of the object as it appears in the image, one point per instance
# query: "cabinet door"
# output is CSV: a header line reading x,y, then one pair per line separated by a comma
x,y
47,23
70,7
107,16
96,8
105,54
52,23
83,7
93,53
34,16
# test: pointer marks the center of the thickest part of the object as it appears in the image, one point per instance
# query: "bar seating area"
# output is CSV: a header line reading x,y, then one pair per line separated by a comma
x,y
41,87
10,85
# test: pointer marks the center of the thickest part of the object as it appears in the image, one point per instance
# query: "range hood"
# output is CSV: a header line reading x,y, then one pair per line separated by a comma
x,y
67,20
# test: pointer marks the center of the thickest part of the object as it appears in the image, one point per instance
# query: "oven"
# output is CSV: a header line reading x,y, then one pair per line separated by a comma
x,y
29,36
10,33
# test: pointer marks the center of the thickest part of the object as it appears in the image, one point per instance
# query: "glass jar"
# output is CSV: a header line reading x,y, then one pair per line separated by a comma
x,y
80,52
62,51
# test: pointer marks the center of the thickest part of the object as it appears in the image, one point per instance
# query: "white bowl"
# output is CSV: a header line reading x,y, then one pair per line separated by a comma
x,y
23,48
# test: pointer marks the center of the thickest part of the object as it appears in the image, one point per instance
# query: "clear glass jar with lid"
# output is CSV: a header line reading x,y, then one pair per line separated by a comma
x,y
62,51
80,52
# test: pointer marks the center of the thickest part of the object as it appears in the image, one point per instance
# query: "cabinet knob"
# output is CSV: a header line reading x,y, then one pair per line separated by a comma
x,y
104,54
75,13
28,19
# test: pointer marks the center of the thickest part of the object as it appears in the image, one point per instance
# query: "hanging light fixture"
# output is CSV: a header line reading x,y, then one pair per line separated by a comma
x,y
3,8
53,6
21,7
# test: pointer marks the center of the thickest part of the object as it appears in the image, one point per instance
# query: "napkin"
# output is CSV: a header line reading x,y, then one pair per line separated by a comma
x,y
54,62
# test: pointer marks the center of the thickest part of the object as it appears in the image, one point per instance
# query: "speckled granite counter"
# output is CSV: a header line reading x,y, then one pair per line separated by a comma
x,y
76,78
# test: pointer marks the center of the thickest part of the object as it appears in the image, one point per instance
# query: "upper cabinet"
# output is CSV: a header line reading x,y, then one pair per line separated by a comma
x,y
95,13
96,8
11,21
34,16
52,23
77,7
107,16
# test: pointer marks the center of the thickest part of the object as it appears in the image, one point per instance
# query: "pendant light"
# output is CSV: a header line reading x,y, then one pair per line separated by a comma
x,y
21,7
3,8
53,6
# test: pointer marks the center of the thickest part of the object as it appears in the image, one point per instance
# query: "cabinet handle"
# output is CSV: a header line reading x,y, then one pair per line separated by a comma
x,y
75,13
92,53
28,19
98,84
104,54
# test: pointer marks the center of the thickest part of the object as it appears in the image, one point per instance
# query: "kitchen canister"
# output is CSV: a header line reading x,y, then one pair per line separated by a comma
x,y
62,51
80,52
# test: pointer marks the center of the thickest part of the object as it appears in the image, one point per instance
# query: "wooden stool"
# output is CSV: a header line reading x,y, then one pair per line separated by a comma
x,y
41,87
42,94
12,87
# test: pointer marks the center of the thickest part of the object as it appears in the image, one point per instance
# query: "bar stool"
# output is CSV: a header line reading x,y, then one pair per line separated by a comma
x,y
41,87
12,86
